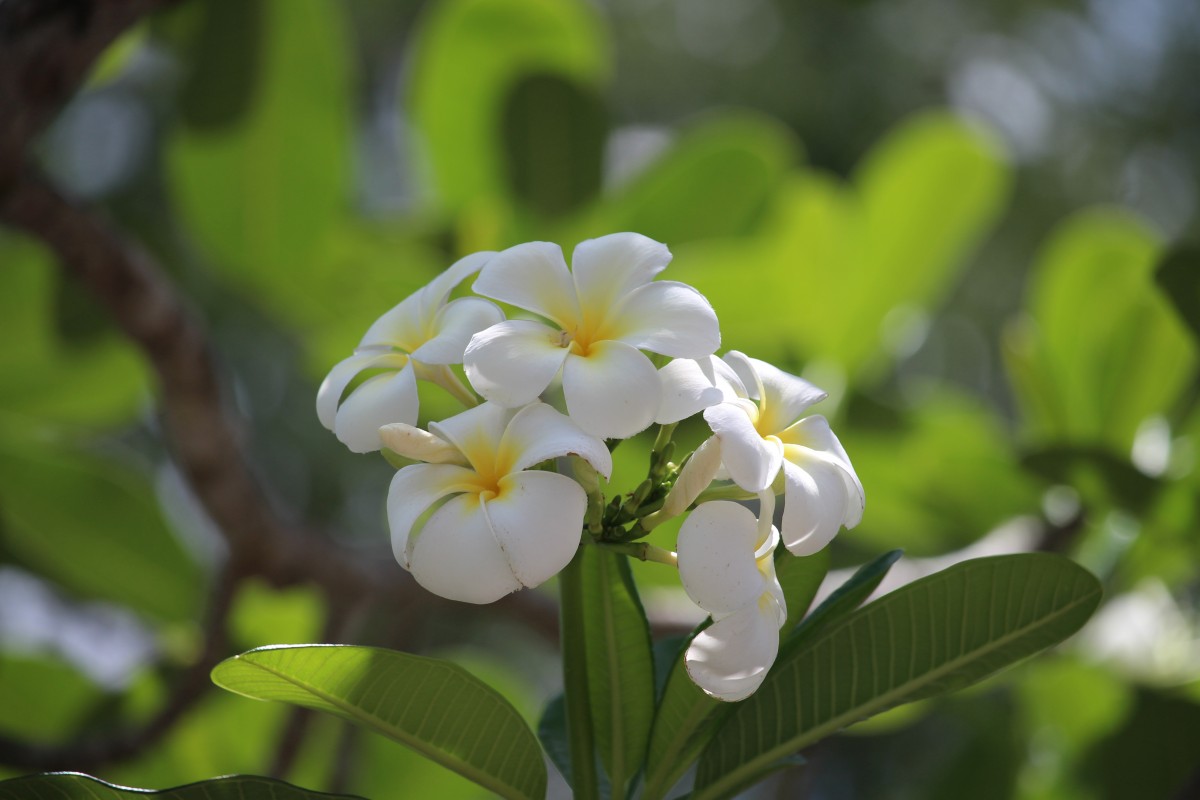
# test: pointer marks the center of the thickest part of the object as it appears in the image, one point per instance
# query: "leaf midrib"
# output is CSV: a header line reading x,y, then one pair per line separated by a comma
x,y
487,780
714,790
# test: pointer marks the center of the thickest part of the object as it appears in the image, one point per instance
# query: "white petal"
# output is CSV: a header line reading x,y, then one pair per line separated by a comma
x,y
453,326
609,267
729,660
458,272
476,432
532,276
784,396
412,442
613,392
697,474
380,401
414,489
753,462
539,432
814,434
329,396
815,503
538,519
456,555
513,362
669,318
716,557
688,387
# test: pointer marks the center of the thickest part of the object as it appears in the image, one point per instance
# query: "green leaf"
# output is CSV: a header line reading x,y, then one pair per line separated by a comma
x,y
554,135
223,51
800,579
834,259
935,635
467,55
620,665
96,528
432,706
262,195
1178,276
552,733
43,699
73,786
844,599
716,180
1102,349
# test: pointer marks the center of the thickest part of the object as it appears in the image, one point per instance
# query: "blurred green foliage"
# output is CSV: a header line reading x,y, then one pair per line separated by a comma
x,y
266,191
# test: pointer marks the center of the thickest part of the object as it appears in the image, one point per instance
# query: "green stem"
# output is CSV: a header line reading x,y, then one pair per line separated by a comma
x,y
575,682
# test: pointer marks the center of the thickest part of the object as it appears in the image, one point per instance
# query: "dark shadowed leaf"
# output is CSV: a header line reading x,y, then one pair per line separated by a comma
x,y
73,786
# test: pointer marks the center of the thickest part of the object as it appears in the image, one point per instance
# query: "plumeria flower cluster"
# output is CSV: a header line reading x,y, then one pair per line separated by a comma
x,y
501,496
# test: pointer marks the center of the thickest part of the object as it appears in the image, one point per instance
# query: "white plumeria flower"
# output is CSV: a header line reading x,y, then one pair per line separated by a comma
x,y
727,566
505,526
604,313
417,338
757,420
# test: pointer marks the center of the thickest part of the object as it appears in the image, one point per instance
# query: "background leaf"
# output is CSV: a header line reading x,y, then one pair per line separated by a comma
x,y
429,705
932,636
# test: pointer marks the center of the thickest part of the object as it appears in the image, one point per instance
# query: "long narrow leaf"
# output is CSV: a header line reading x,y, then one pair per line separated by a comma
x,y
433,706
620,665
73,786
935,635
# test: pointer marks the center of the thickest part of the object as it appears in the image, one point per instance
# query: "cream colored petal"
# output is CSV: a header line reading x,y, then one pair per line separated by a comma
x,y
456,554
752,462
329,396
815,503
730,659
609,267
453,327
688,387
413,491
716,557
539,432
668,318
412,442
613,392
382,400
537,518
513,362
532,276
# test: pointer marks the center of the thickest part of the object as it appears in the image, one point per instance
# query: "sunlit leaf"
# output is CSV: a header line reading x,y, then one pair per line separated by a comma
x,y
833,260
620,665
73,786
432,706
467,55
842,601
96,528
1102,349
933,636
261,195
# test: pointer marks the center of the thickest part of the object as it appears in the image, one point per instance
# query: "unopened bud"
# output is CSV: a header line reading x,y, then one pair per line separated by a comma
x,y
694,478
419,445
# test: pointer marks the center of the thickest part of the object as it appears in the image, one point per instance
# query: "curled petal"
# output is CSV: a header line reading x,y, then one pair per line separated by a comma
x,y
609,267
476,433
456,554
513,362
407,324
412,442
380,401
413,490
613,392
532,276
669,318
752,461
688,387
454,325
697,473
716,557
729,660
539,432
782,397
814,434
815,503
329,396
537,518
